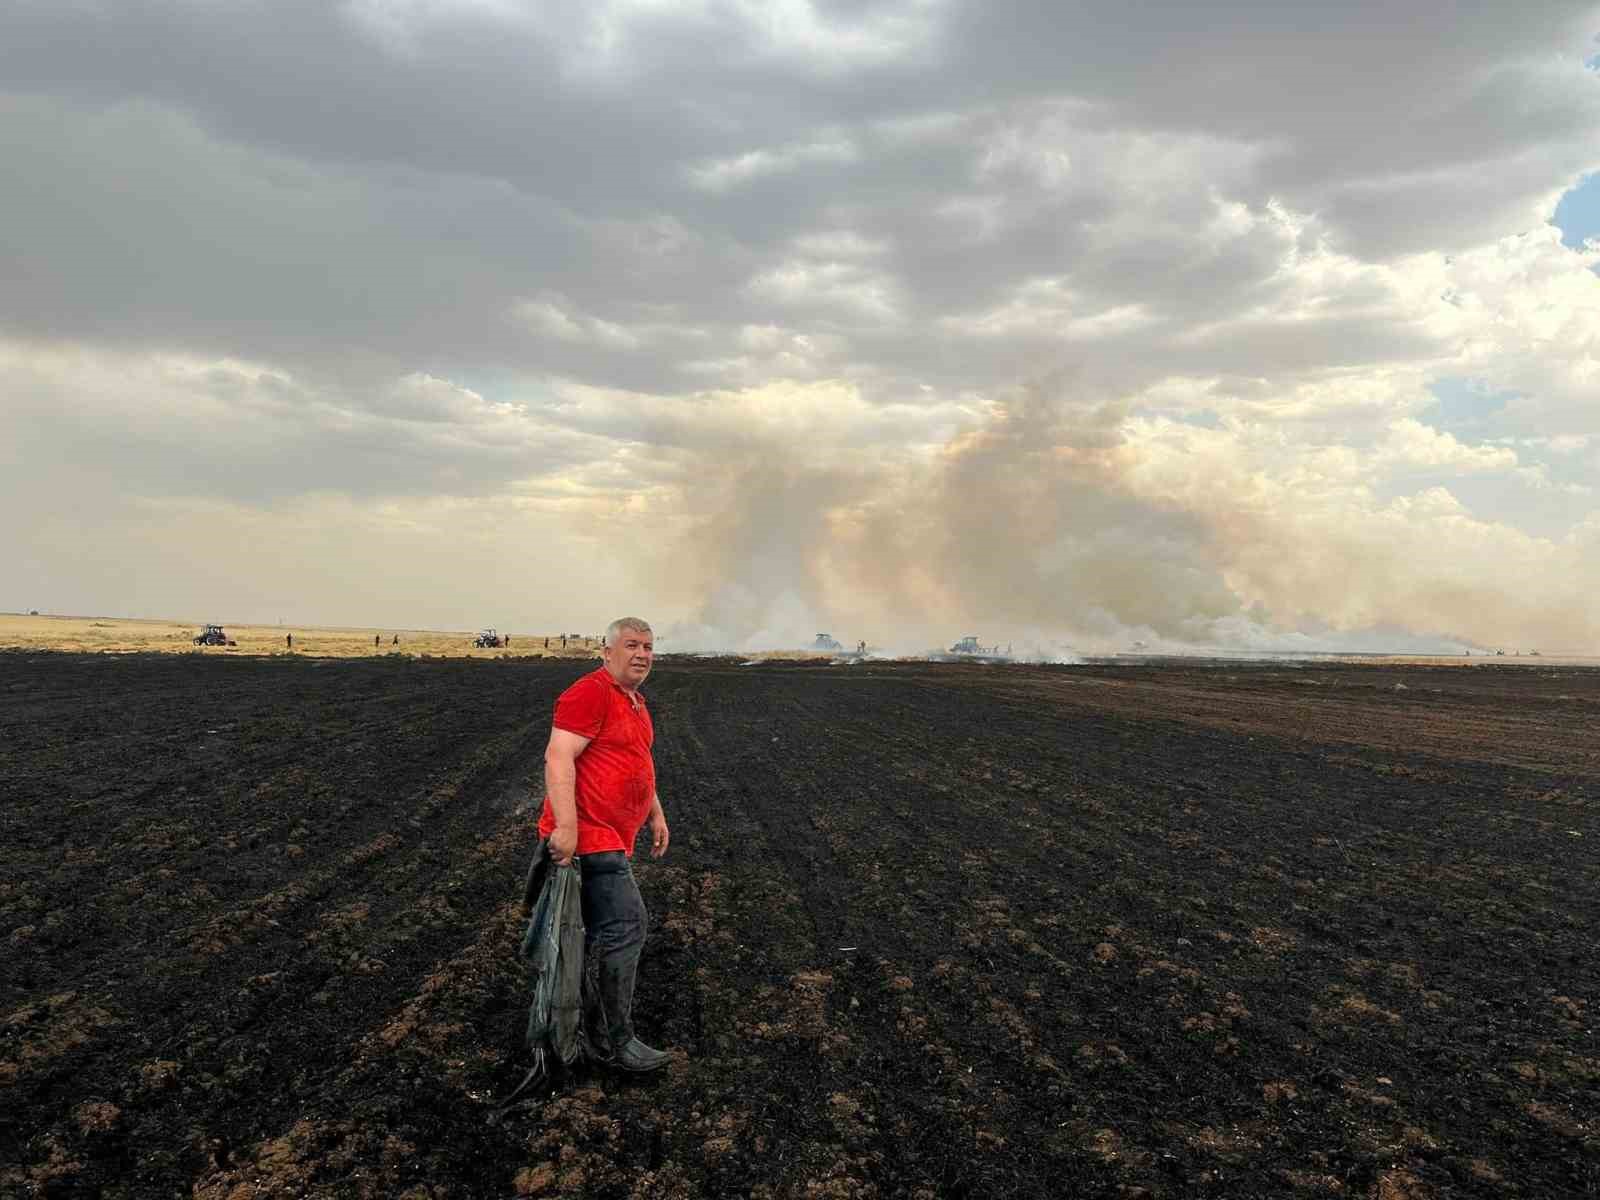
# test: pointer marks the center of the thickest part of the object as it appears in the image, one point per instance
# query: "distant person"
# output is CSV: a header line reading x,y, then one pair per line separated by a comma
x,y
563,641
396,641
547,643
288,641
377,639
600,789
506,641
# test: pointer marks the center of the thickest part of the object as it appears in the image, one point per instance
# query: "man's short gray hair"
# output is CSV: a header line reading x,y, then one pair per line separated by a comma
x,y
614,630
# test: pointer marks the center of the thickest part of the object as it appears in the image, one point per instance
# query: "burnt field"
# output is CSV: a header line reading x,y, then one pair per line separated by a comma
x,y
1163,931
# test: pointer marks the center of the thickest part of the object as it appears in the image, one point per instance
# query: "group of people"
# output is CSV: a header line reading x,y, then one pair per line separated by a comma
x,y
377,640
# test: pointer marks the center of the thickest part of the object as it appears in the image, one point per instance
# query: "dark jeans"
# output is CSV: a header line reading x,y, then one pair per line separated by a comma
x,y
614,926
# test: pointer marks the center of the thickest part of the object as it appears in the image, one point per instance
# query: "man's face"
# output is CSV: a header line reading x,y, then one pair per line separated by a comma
x,y
630,658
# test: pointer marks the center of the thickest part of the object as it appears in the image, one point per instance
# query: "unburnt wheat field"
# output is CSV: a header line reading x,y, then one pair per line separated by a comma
x,y
1164,930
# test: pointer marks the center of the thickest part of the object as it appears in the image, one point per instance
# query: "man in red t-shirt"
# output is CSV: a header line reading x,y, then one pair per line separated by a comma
x,y
600,789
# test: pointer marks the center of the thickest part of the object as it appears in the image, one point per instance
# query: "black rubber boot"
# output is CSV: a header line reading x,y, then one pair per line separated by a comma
x,y
636,1056
616,996
596,1037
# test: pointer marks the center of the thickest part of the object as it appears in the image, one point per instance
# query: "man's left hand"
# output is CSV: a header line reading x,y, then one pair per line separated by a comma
x,y
659,837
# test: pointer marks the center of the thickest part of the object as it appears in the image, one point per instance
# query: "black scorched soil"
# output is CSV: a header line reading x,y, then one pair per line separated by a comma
x,y
924,931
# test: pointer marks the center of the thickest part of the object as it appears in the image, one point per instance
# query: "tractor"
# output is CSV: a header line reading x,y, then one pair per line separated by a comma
x,y
826,642
970,649
212,635
487,640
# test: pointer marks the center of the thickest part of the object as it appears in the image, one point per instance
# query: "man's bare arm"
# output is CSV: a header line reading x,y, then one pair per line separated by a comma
x,y
560,788
659,835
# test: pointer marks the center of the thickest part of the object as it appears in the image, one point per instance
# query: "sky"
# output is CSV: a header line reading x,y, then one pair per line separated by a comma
x,y
1236,325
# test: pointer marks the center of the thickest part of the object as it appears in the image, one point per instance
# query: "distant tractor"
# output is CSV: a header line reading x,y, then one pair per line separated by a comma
x,y
487,640
212,635
825,642
969,648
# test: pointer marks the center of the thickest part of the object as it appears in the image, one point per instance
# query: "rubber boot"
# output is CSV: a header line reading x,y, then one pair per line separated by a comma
x,y
595,1040
616,995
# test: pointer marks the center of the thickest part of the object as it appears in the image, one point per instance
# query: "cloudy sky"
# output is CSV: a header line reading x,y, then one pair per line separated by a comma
x,y
1234,324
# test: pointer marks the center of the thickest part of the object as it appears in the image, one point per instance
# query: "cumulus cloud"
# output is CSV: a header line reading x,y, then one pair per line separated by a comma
x,y
1051,320
726,174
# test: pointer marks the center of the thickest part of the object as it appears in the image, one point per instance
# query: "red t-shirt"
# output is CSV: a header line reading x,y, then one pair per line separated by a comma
x,y
616,775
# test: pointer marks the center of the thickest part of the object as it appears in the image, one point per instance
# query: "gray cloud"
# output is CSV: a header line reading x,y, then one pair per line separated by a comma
x,y
394,176
536,254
